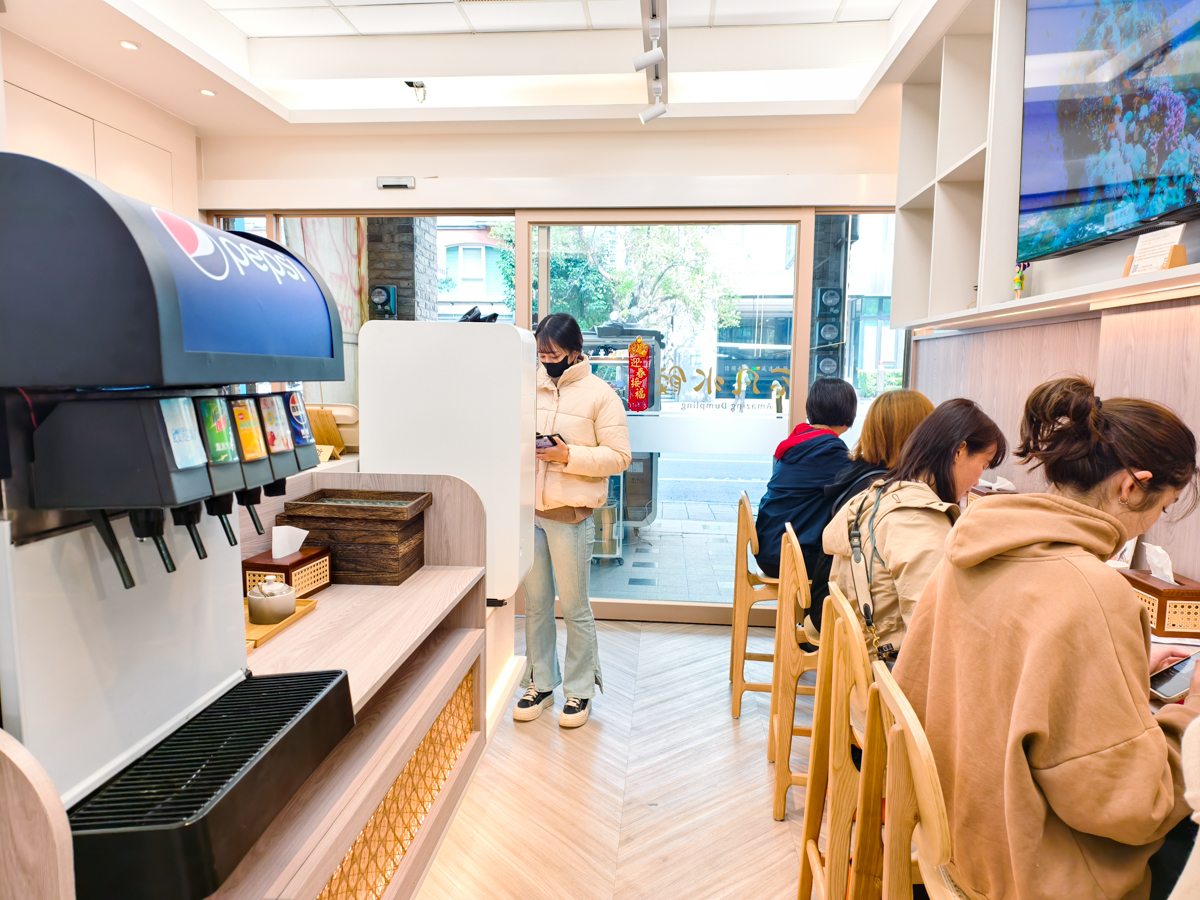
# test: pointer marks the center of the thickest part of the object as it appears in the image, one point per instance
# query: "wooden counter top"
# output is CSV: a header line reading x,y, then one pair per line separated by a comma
x,y
368,630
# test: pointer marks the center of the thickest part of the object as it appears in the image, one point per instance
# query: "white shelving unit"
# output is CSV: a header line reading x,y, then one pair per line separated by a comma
x,y
958,183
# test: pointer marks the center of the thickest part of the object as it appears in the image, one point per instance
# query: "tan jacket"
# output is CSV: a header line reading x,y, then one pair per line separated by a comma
x,y
590,417
910,536
1027,661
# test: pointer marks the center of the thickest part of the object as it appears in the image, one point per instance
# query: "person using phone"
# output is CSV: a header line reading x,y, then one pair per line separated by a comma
x,y
1028,661
583,439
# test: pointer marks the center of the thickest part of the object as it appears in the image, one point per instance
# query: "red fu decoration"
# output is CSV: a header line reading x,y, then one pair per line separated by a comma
x,y
639,376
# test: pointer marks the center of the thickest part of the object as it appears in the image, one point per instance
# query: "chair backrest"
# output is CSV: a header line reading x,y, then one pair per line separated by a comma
x,y
793,581
36,861
747,533
859,658
916,811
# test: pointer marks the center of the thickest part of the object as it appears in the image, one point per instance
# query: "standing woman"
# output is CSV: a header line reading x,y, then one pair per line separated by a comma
x,y
591,442
1028,662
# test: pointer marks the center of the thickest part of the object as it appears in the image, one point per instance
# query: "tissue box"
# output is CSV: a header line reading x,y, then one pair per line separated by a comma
x,y
1174,608
307,570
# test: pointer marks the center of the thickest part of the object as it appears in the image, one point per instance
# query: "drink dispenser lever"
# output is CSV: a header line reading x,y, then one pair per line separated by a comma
x,y
222,508
250,498
189,517
104,528
148,525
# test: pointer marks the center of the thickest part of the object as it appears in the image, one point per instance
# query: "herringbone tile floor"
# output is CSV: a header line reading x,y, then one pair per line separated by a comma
x,y
660,795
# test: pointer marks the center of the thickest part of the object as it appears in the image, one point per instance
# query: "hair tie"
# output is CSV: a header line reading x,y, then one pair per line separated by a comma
x,y
1099,403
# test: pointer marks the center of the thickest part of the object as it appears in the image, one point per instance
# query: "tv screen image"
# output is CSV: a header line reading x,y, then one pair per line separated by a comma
x,y
1111,133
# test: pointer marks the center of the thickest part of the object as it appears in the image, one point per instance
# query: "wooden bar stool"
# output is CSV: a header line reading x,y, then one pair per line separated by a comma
x,y
790,663
749,588
844,678
36,857
898,763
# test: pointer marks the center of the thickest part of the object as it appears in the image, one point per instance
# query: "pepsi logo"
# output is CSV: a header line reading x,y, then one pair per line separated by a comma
x,y
196,244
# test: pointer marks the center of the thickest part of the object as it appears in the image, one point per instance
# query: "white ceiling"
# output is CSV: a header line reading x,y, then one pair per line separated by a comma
x,y
312,18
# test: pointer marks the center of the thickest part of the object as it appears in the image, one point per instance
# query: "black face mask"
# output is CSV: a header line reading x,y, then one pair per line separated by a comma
x,y
555,369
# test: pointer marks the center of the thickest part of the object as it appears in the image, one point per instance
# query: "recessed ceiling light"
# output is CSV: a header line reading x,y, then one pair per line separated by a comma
x,y
207,93
130,45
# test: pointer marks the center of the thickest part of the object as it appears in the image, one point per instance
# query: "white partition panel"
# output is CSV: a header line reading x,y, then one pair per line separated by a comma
x,y
455,398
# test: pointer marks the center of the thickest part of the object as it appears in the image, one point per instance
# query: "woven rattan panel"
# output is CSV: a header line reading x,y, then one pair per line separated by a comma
x,y
1183,615
1151,604
313,575
368,866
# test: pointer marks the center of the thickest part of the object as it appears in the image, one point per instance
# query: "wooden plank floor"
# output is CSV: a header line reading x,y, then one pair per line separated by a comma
x,y
660,795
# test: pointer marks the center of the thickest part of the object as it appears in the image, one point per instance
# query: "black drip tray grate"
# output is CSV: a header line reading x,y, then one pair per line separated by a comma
x,y
180,818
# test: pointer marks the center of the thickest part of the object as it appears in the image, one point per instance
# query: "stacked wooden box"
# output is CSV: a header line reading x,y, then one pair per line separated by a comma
x,y
375,537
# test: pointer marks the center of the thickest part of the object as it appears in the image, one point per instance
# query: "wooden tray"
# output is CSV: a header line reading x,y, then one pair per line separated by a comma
x,y
257,635
393,506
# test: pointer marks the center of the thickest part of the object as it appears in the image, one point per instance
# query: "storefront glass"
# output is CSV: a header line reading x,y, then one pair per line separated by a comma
x,y
715,304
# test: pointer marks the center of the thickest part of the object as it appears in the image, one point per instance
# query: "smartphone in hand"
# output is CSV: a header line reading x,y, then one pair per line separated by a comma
x,y
546,441
1171,684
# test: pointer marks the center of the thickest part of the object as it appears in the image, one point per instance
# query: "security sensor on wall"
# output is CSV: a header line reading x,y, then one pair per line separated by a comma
x,y
406,182
646,60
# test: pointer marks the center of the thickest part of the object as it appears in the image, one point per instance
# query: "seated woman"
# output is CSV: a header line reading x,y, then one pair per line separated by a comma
x,y
1028,663
890,420
903,522
805,462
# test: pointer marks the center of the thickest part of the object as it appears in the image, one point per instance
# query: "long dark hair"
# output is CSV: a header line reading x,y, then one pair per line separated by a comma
x,y
559,330
1081,441
928,454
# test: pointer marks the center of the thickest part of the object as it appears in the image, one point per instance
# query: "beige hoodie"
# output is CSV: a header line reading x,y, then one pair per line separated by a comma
x,y
590,417
910,536
1027,661
1188,886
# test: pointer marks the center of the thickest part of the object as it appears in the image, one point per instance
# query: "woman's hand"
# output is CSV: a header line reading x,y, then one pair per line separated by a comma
x,y
559,453
1164,655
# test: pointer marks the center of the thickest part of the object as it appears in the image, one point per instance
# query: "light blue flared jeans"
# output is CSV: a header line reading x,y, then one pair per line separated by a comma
x,y
562,556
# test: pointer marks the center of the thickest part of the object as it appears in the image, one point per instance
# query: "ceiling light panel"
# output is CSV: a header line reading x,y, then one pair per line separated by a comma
x,y
775,12
687,13
522,15
389,2
409,18
867,10
616,13
288,22
263,4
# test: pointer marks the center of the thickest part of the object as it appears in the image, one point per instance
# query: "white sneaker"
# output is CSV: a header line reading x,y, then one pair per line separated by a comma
x,y
530,706
574,712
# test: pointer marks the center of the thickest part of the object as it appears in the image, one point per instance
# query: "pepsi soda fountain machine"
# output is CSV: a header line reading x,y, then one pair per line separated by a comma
x,y
127,335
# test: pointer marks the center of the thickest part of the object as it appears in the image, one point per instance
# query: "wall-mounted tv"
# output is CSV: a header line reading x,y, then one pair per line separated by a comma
x,y
1111,139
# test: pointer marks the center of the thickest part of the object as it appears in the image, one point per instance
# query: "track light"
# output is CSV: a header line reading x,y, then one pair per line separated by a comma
x,y
648,59
652,113
418,89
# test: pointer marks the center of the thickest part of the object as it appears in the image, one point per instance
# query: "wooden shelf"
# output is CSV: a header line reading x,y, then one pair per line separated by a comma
x,y
365,629
300,850
1153,287
969,168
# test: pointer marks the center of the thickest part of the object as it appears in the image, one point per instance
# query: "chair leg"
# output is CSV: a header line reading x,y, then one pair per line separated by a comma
x,y
737,652
784,723
776,667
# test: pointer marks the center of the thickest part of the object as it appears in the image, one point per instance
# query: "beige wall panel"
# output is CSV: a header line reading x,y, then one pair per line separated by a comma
x,y
998,369
133,167
1150,352
40,72
37,127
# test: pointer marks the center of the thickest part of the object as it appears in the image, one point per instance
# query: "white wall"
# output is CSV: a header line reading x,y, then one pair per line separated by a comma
x,y
59,112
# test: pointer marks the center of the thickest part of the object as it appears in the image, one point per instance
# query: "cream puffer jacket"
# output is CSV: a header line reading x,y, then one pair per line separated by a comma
x,y
586,413
911,526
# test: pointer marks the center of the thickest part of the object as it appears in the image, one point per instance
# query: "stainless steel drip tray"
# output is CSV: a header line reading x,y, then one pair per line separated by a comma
x,y
176,822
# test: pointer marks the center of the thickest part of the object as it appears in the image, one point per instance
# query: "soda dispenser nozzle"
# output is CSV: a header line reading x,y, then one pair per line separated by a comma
x,y
148,525
250,498
222,508
189,517
104,528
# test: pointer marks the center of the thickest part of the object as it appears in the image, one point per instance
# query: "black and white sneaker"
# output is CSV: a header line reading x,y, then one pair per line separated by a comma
x,y
530,706
574,712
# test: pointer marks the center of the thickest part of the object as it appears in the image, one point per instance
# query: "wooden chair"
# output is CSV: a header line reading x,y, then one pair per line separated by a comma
x,y
844,678
790,663
749,588
898,763
36,861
